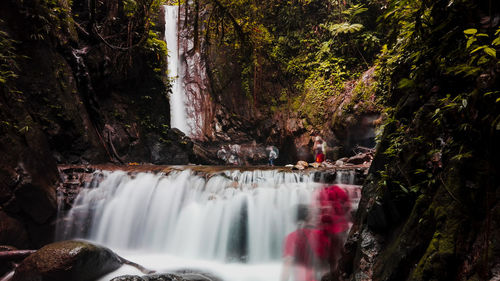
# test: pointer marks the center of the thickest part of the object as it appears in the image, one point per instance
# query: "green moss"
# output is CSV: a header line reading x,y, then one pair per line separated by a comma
x,y
363,98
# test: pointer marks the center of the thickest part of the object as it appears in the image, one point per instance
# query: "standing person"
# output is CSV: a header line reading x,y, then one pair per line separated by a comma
x,y
273,154
304,250
319,149
334,206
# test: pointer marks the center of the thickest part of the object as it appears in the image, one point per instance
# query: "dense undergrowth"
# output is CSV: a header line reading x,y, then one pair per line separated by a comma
x,y
434,175
440,89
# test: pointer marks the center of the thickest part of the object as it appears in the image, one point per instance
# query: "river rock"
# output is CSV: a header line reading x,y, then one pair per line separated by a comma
x,y
193,275
315,165
153,277
67,260
181,275
301,165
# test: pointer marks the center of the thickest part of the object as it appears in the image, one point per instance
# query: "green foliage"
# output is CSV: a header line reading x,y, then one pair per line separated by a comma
x,y
437,67
157,48
48,19
310,48
129,7
344,28
8,56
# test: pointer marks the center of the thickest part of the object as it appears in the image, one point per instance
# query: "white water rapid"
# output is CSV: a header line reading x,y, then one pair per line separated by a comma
x,y
230,223
178,108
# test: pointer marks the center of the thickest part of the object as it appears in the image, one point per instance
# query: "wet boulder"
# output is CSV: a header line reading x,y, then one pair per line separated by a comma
x,y
193,275
180,275
67,260
154,277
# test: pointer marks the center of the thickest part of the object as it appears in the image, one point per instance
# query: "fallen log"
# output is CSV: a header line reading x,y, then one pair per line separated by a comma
x,y
15,254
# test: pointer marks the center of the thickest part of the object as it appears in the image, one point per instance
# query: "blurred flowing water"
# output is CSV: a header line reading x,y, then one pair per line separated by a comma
x,y
178,104
232,222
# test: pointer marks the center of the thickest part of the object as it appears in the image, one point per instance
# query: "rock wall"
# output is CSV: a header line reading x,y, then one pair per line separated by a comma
x,y
76,97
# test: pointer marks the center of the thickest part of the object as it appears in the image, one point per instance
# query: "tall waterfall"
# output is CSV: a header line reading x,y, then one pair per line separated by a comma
x,y
230,217
178,111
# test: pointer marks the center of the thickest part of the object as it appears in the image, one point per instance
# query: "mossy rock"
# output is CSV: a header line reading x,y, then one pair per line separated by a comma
x,y
67,260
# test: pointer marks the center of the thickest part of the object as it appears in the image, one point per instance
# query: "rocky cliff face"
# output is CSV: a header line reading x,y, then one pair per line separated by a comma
x,y
78,94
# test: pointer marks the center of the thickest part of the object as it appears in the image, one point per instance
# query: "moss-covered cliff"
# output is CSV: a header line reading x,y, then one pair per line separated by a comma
x,y
278,72
430,204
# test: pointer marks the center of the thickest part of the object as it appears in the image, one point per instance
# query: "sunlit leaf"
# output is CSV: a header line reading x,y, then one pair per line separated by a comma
x,y
470,41
490,51
470,31
477,49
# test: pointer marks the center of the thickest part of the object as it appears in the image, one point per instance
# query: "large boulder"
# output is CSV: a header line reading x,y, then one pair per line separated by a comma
x,y
12,231
67,260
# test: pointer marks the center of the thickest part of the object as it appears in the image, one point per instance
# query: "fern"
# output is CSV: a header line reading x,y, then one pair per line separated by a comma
x,y
344,28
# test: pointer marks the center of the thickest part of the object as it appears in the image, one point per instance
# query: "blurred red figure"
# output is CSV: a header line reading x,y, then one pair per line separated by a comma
x,y
305,249
334,206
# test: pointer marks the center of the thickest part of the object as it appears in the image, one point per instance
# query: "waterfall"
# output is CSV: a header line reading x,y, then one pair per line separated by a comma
x,y
178,110
231,217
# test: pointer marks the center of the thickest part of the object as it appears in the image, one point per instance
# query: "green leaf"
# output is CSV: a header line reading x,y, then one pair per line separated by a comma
x,y
490,51
470,31
477,49
405,83
470,41
24,129
490,93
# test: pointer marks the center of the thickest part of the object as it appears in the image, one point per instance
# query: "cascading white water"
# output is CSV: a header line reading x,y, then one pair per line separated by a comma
x,y
178,111
237,220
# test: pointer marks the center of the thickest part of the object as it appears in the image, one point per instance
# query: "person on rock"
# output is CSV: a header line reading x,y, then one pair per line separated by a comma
x,y
334,207
305,250
319,149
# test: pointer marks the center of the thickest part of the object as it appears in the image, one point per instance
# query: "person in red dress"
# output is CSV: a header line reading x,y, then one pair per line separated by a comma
x,y
319,149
